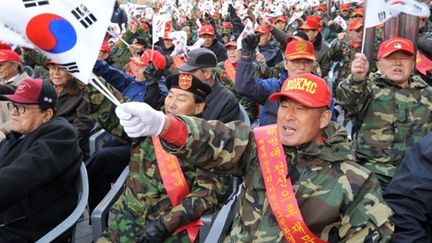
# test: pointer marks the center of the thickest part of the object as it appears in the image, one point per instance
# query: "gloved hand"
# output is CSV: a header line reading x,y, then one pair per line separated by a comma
x,y
140,120
154,232
152,73
249,44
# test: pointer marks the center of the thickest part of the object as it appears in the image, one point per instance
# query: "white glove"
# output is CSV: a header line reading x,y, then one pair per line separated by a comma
x,y
140,120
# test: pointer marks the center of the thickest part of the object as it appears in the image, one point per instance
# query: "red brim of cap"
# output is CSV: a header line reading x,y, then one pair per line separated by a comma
x,y
207,33
19,99
300,56
230,45
386,54
300,98
307,27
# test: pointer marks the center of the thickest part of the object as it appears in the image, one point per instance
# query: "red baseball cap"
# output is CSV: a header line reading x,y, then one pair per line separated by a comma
x,y
4,46
261,29
358,12
9,55
33,91
311,23
306,89
207,29
106,47
158,59
321,8
281,18
227,25
344,6
231,44
395,44
297,49
355,24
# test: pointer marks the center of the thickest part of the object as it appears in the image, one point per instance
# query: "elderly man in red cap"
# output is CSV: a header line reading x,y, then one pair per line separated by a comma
x,y
207,32
39,164
266,47
312,27
391,110
299,181
299,58
11,74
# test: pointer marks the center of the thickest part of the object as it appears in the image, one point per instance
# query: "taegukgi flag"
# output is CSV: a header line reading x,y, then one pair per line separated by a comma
x,y
69,32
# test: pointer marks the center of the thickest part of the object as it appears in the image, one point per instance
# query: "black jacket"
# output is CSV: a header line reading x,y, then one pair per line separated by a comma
x,y
409,194
221,105
218,50
37,172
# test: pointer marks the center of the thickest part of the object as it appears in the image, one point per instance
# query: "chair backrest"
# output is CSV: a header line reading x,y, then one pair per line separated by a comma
x,y
100,213
244,117
71,220
96,141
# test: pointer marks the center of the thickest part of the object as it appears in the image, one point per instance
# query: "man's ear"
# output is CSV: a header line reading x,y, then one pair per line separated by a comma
x,y
199,108
325,118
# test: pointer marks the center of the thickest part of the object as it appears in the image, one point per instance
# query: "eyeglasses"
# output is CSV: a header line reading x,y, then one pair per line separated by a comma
x,y
20,108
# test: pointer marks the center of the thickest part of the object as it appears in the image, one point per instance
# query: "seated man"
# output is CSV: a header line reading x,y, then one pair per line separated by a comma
x,y
39,162
147,206
391,110
409,195
300,182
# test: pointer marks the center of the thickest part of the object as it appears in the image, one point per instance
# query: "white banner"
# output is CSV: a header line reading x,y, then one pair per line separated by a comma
x,y
379,11
69,32
158,27
248,29
179,41
341,22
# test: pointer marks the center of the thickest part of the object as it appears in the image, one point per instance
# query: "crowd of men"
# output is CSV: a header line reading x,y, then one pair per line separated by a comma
x,y
335,147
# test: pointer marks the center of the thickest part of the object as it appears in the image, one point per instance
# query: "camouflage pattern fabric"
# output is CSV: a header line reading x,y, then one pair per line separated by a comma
x,y
249,105
120,54
340,200
144,197
389,119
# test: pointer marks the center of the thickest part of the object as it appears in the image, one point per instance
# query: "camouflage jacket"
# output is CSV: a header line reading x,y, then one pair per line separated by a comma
x,y
144,197
339,199
250,106
389,119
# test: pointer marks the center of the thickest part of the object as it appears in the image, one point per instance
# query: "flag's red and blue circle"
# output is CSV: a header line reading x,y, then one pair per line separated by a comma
x,y
51,33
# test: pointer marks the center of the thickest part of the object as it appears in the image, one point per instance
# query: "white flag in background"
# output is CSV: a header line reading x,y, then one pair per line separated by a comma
x,y
69,32
379,11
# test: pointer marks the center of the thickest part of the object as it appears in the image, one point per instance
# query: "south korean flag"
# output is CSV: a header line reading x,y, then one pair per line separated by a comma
x,y
69,32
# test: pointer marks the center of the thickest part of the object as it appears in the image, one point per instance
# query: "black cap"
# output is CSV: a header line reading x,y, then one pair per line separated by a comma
x,y
199,58
139,41
188,83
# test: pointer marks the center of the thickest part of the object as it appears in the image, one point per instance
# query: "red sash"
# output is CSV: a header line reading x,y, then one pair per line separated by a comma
x,y
230,69
175,185
279,189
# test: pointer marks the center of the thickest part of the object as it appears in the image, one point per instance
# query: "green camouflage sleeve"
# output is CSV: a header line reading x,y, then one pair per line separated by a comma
x,y
354,95
368,218
206,196
104,110
217,147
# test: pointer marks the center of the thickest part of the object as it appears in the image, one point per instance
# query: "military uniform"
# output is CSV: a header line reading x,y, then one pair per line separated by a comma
x,y
338,199
145,198
389,119
250,106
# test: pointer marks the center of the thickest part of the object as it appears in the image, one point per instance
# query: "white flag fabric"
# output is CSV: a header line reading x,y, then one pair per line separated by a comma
x,y
248,29
158,29
10,36
69,32
196,45
295,16
341,22
379,11
179,41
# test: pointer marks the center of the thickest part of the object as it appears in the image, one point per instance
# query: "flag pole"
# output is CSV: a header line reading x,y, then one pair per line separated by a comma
x,y
364,28
97,83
